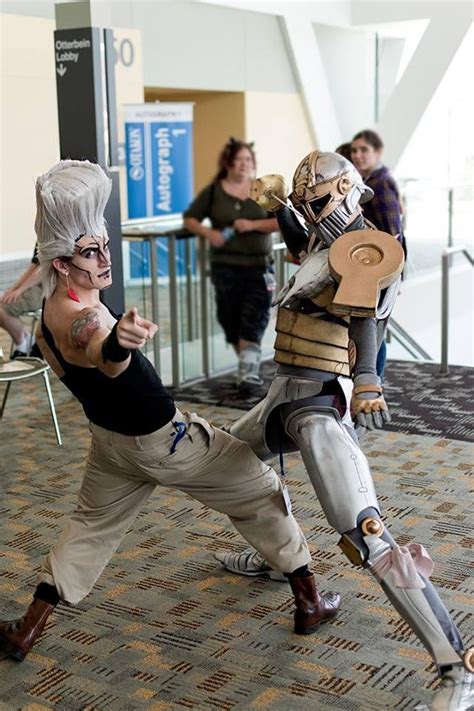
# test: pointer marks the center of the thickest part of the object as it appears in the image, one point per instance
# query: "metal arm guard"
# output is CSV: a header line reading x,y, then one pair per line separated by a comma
x,y
295,235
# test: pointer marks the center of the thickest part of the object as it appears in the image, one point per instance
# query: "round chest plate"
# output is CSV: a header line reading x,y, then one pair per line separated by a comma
x,y
367,255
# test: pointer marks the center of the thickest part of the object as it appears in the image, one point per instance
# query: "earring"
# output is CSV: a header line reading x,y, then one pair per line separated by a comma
x,y
70,292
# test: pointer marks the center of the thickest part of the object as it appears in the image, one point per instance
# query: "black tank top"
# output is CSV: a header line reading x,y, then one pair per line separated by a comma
x,y
134,403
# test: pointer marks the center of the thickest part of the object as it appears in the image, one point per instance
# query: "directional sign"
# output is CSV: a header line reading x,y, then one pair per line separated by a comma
x,y
76,51
68,51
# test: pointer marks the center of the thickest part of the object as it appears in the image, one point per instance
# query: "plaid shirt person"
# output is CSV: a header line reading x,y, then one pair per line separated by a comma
x,y
384,210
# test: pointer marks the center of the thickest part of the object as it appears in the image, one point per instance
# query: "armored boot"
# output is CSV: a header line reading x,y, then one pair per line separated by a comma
x,y
18,636
312,608
455,693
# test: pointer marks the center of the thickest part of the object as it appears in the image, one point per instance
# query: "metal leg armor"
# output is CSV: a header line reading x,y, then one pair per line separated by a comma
x,y
341,477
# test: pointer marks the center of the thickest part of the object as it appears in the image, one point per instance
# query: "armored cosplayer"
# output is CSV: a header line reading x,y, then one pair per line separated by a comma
x,y
331,317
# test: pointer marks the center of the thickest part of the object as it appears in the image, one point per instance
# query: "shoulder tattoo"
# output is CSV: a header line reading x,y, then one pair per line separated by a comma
x,y
82,329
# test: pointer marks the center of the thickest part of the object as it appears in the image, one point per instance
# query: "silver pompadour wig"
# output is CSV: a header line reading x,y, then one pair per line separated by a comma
x,y
70,201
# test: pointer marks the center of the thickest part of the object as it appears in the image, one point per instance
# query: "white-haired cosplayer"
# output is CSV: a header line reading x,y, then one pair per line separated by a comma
x,y
326,348
139,438
70,203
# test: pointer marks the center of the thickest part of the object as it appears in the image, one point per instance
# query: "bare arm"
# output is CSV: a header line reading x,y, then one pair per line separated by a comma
x,y
30,277
265,226
106,349
214,237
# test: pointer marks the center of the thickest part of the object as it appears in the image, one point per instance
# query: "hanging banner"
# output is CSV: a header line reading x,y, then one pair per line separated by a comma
x,y
159,158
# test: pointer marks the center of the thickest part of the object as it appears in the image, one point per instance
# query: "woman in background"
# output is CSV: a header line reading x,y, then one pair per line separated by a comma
x,y
240,254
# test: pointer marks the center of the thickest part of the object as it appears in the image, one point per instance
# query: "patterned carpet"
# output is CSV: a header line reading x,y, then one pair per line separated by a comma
x,y
420,399
166,628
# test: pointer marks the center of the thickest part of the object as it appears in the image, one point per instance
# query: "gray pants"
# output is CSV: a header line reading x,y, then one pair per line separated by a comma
x,y
208,464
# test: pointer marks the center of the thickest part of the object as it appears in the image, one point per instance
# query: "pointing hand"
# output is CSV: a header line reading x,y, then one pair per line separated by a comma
x,y
133,331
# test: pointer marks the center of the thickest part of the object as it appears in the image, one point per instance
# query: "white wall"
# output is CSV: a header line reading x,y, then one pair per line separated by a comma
x,y
448,24
29,120
390,54
29,127
198,45
185,45
193,45
349,59
277,122
189,45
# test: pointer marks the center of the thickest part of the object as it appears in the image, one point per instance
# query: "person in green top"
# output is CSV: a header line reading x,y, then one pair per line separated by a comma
x,y
240,254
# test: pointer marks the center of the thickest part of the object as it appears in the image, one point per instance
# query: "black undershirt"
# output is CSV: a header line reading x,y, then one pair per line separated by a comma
x,y
134,403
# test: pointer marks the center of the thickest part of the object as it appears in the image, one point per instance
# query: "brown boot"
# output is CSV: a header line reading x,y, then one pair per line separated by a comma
x,y
312,608
17,637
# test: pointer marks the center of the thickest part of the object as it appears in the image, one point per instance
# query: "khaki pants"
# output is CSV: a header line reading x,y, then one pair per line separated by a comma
x,y
208,464
30,300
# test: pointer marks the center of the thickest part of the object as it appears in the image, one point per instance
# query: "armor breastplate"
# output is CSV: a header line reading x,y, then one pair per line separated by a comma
x,y
313,342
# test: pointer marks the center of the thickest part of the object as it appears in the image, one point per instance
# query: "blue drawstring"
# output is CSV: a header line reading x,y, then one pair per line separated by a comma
x,y
180,428
282,461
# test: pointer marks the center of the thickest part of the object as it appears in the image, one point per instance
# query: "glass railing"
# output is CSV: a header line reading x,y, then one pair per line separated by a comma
x,y
436,216
190,342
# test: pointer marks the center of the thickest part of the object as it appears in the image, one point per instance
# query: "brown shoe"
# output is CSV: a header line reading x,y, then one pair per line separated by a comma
x,y
17,637
312,608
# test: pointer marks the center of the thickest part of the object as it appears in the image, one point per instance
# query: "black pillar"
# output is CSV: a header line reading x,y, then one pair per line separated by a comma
x,y
85,81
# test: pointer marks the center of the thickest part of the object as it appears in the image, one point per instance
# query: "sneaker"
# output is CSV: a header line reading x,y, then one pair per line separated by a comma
x,y
23,348
247,383
17,354
249,366
249,563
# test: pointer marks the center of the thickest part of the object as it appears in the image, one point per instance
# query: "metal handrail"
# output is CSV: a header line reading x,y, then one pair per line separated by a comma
x,y
152,225
171,227
151,236
445,264
151,229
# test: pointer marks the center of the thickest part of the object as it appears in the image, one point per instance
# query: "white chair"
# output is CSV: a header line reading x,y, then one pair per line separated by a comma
x,y
22,369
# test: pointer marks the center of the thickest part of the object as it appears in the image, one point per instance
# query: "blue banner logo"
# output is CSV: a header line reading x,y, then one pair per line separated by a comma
x,y
159,160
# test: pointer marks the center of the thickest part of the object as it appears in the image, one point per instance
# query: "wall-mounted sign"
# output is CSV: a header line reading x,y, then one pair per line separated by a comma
x,y
159,162
159,158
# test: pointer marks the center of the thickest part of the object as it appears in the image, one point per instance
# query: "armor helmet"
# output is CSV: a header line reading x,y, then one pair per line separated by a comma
x,y
327,190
